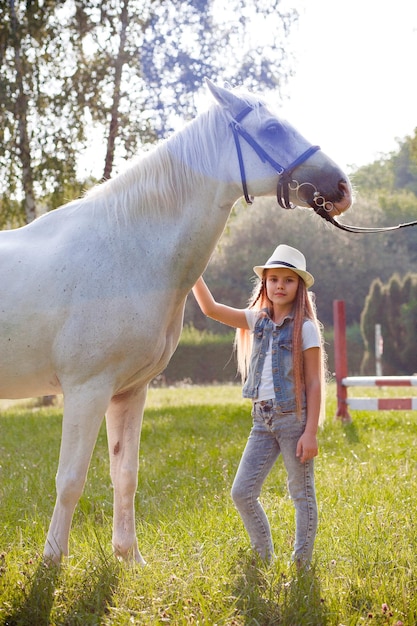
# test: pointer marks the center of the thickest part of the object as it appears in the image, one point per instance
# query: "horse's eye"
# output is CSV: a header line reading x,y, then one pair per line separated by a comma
x,y
273,129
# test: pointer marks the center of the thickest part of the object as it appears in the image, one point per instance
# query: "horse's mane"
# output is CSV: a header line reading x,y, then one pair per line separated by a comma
x,y
159,182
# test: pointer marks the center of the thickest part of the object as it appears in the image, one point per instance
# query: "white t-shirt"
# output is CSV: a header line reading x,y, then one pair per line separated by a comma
x,y
310,339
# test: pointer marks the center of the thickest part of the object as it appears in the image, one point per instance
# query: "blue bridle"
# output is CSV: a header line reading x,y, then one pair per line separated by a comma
x,y
285,172
286,178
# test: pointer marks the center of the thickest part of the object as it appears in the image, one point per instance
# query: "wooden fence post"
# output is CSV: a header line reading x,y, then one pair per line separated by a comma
x,y
340,359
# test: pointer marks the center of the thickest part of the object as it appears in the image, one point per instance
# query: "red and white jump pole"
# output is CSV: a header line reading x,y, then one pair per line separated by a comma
x,y
343,381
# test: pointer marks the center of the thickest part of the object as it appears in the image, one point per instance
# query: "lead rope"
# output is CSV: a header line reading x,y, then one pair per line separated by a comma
x,y
358,229
323,208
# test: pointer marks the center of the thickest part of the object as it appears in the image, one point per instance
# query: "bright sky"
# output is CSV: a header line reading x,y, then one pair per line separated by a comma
x,y
354,91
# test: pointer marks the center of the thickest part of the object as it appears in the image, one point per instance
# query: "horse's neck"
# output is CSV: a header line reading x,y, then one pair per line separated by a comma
x,y
174,195
160,185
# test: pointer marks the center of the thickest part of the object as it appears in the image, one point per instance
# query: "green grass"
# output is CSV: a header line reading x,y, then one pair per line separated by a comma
x,y
200,569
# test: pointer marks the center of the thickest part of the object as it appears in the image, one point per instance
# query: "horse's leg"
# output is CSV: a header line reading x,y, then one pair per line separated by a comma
x,y
124,422
83,414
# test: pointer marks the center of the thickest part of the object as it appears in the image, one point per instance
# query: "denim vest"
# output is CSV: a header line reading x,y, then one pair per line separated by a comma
x,y
282,365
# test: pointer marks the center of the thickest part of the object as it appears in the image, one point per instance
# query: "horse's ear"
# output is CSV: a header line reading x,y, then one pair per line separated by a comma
x,y
225,97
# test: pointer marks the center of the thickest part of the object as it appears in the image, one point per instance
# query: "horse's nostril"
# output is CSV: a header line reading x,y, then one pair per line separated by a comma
x,y
344,194
344,188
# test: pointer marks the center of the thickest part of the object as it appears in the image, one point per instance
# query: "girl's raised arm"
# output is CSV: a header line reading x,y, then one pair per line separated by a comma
x,y
220,312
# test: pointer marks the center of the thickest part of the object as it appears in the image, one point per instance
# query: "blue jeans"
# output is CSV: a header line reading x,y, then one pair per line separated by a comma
x,y
273,433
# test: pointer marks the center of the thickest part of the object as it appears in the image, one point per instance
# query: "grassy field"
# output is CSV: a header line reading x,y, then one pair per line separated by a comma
x,y
200,569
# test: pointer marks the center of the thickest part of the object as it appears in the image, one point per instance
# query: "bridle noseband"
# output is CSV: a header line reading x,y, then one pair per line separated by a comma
x,y
320,205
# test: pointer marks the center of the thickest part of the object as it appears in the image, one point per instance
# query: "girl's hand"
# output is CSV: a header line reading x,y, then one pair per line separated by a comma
x,y
307,447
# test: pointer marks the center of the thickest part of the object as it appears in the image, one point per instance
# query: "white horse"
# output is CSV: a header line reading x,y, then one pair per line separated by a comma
x,y
92,294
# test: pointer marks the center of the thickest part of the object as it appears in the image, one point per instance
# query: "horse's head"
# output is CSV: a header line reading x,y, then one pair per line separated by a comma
x,y
274,158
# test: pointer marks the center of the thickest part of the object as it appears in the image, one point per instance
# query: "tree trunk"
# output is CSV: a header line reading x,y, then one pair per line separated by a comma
x,y
118,67
21,115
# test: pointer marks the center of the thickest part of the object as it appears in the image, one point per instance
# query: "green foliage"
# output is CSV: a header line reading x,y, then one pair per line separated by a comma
x,y
375,177
205,357
393,181
187,40
201,357
127,68
39,118
394,306
343,264
200,568
400,208
191,336
395,172
404,164
354,348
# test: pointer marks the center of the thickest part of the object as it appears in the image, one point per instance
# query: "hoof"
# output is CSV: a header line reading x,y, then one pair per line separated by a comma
x,y
132,556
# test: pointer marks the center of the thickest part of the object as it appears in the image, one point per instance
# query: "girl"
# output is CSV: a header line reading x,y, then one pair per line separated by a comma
x,y
280,358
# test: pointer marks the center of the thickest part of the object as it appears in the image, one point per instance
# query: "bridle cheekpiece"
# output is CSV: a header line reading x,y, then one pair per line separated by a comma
x,y
285,172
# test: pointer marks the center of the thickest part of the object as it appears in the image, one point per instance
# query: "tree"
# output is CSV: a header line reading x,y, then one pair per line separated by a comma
x,y
392,181
176,71
404,164
118,69
108,36
393,305
148,60
392,173
132,67
36,145
344,264
21,114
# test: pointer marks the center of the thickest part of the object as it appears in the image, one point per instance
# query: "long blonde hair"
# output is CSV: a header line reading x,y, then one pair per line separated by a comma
x,y
304,308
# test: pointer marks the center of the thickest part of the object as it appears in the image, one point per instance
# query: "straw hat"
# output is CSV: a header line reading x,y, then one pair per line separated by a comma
x,y
285,256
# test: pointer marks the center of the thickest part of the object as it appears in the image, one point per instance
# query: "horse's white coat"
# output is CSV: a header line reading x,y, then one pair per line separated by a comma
x,y
92,294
